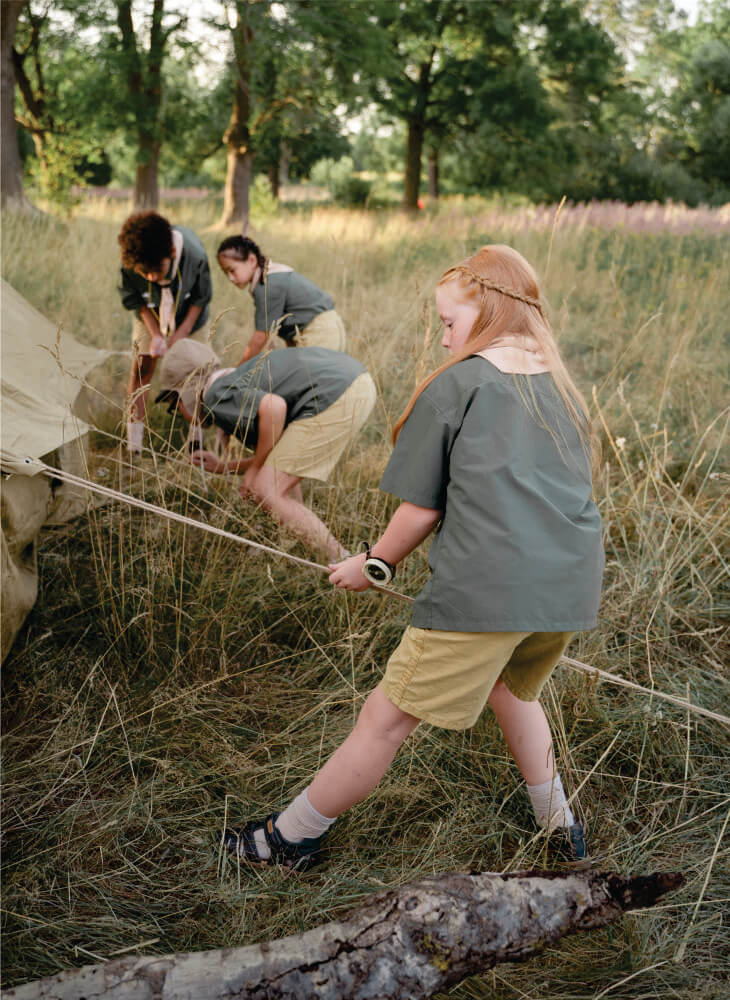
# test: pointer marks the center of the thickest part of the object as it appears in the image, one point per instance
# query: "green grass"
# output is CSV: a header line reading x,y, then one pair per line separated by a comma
x,y
168,680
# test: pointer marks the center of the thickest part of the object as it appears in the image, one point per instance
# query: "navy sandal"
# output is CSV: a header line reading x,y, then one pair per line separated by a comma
x,y
298,857
569,843
577,839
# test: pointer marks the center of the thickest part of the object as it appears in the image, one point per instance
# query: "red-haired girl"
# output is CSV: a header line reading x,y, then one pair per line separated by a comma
x,y
494,448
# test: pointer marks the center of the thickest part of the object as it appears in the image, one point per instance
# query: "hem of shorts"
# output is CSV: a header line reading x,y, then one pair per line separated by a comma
x,y
431,622
429,717
300,475
522,694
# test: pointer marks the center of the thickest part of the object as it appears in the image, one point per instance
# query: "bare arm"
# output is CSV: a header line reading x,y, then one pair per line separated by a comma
x,y
272,420
219,466
185,328
158,345
407,528
255,345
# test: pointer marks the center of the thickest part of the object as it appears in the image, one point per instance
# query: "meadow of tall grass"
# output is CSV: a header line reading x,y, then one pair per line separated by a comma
x,y
168,682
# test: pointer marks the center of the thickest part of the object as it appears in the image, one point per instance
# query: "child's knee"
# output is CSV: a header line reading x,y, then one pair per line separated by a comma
x,y
384,720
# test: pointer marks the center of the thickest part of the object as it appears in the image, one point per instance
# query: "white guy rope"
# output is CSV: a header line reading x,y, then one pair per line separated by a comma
x,y
182,519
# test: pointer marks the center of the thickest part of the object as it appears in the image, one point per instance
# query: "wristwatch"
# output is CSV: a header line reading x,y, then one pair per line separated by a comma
x,y
377,570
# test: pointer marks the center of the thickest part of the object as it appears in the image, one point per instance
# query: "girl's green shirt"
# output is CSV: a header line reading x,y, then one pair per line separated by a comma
x,y
519,546
287,302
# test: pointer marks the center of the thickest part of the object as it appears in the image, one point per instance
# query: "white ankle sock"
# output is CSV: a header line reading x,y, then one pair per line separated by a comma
x,y
548,801
299,821
135,435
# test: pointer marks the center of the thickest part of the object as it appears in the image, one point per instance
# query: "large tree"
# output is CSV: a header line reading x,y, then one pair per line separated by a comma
x,y
429,63
284,95
688,67
142,69
237,137
11,169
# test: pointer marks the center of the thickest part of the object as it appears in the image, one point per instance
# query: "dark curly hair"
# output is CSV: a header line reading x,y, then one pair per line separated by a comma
x,y
241,247
145,239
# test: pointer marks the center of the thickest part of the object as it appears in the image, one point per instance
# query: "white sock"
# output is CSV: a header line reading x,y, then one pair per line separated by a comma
x,y
300,820
135,435
548,801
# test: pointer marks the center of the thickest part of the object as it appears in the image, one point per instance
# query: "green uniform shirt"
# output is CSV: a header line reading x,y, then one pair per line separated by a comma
x,y
519,547
291,296
190,287
309,378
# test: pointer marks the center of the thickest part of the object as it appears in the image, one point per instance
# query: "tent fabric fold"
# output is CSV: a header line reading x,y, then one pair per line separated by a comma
x,y
41,373
42,369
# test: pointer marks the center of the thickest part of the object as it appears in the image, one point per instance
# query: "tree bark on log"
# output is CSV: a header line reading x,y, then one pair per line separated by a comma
x,y
415,942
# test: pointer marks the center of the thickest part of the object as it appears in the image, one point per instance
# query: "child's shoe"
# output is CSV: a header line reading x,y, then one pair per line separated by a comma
x,y
569,842
299,857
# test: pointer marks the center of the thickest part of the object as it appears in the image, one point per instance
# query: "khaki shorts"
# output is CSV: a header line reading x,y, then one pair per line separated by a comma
x,y
141,339
445,678
325,330
312,447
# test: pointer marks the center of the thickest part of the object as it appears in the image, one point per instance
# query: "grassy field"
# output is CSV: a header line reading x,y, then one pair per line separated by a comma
x,y
168,681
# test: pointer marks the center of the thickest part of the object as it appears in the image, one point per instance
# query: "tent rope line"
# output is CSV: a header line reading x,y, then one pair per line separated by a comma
x,y
171,515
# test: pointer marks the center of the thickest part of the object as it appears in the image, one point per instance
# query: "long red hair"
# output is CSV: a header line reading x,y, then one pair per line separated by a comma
x,y
504,287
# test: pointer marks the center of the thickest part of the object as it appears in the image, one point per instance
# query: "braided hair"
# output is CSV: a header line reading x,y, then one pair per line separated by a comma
x,y
241,247
504,287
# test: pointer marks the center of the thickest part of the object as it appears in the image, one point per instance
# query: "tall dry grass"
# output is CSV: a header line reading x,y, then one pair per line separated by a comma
x,y
168,681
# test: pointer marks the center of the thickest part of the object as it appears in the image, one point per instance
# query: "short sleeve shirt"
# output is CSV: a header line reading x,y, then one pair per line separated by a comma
x,y
191,285
519,546
288,301
308,378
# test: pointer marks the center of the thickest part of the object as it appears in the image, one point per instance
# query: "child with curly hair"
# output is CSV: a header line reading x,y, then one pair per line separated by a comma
x,y
165,280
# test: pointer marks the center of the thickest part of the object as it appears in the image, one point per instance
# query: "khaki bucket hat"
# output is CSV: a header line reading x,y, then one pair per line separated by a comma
x,y
184,371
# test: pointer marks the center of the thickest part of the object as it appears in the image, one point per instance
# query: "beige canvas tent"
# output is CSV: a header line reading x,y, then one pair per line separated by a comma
x,y
41,368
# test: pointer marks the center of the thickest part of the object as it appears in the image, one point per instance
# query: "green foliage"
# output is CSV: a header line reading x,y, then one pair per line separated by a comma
x,y
544,98
340,180
263,204
294,116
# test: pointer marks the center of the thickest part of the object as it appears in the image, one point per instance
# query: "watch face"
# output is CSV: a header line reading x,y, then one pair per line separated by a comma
x,y
377,573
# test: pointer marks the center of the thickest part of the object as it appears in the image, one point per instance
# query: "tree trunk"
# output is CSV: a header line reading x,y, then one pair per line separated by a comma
x,y
433,172
235,193
284,162
417,133
11,168
273,175
413,943
414,153
237,136
146,187
144,79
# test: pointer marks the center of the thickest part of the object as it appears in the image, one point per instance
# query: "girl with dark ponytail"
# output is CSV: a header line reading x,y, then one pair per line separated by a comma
x,y
286,303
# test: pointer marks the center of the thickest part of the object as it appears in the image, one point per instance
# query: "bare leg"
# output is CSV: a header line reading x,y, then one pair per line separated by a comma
x,y
143,367
353,770
271,487
527,733
295,492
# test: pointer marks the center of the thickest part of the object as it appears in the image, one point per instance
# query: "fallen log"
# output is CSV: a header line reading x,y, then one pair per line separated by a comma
x,y
414,942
